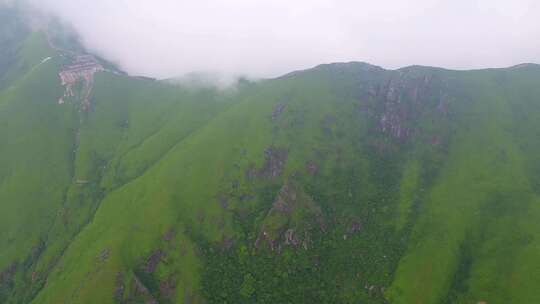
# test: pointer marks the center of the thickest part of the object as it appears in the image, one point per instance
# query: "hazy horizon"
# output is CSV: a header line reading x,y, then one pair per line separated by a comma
x,y
167,38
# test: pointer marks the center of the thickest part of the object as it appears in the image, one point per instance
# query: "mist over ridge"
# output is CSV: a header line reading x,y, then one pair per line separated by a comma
x,y
165,38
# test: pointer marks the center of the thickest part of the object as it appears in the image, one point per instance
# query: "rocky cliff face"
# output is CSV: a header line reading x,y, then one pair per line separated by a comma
x,y
81,70
405,98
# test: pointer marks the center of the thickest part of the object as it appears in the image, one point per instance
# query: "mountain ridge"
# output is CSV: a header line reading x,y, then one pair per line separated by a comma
x,y
337,184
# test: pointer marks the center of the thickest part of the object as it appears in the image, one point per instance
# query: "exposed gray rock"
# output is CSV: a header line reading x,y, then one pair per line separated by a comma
x,y
6,275
275,159
312,168
153,261
120,287
278,110
294,216
104,255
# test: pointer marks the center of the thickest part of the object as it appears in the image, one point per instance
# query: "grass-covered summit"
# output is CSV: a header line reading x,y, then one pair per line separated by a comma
x,y
345,183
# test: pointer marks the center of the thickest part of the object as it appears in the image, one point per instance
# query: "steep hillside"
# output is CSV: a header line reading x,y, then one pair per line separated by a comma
x,y
13,31
344,183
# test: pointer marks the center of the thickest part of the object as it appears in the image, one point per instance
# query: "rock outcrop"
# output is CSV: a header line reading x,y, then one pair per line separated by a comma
x,y
81,70
6,275
404,99
293,218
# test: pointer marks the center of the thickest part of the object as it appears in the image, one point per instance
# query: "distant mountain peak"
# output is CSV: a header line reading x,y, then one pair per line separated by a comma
x,y
357,65
525,65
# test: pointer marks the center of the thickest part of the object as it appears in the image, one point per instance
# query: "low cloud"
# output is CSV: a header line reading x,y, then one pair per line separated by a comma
x,y
267,38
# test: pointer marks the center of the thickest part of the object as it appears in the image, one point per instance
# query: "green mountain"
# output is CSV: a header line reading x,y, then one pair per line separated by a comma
x,y
345,183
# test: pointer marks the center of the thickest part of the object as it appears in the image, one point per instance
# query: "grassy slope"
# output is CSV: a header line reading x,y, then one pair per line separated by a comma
x,y
181,191
135,137
476,231
47,197
454,223
35,155
13,32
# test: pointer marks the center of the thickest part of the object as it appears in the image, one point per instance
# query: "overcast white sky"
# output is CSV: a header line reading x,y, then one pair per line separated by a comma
x,y
264,38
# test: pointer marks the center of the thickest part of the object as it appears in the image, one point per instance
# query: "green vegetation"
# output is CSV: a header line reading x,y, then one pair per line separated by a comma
x,y
345,183
13,31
